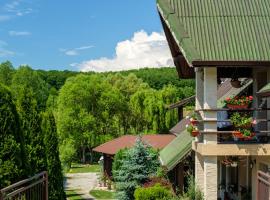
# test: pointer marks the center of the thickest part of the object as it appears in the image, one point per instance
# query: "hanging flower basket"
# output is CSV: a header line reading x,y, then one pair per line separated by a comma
x,y
195,133
194,122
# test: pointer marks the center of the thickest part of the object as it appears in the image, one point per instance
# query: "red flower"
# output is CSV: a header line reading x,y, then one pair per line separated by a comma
x,y
250,97
228,99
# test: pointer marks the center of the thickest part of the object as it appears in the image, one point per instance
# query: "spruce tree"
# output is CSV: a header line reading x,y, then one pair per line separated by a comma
x,y
56,189
12,155
140,162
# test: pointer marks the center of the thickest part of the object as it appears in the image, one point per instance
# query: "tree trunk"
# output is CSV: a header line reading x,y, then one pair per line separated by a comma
x,y
91,155
83,155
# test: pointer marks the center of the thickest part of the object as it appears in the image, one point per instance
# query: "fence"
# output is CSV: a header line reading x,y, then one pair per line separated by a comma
x,y
34,188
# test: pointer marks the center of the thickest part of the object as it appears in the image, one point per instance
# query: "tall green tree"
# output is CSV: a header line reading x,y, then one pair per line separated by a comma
x,y
56,189
88,109
13,161
31,127
6,73
25,77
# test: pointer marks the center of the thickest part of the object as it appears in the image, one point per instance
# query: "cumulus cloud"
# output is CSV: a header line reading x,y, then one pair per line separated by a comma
x,y
75,51
19,33
3,51
142,50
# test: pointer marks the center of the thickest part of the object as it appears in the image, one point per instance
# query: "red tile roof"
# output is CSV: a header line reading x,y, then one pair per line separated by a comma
x,y
157,141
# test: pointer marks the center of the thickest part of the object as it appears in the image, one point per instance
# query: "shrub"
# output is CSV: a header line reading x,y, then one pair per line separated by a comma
x,y
157,192
158,180
140,163
193,193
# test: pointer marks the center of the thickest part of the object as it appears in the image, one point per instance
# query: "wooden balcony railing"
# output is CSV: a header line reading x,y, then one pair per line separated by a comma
x,y
34,188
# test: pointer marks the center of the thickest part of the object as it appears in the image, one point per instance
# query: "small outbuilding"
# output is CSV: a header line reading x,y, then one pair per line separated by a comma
x,y
109,149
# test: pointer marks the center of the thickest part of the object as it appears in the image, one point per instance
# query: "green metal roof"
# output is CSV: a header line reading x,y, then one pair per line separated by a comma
x,y
265,91
175,151
223,30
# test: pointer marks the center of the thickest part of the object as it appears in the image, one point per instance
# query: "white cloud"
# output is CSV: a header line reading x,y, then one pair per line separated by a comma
x,y
75,51
3,51
142,50
19,33
16,8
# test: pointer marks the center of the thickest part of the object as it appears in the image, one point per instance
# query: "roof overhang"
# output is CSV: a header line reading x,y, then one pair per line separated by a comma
x,y
185,55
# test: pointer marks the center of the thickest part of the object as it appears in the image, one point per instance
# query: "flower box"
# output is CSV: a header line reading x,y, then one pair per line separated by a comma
x,y
234,107
238,134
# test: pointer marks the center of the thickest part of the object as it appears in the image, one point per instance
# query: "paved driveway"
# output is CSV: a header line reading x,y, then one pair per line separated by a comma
x,y
82,183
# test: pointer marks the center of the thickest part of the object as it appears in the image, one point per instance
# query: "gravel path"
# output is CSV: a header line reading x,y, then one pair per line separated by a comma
x,y
82,183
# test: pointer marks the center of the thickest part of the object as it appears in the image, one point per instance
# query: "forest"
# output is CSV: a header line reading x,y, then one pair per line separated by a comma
x,y
50,119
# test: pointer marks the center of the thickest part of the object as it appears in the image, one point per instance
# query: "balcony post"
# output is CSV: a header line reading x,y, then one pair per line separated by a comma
x,y
199,162
210,162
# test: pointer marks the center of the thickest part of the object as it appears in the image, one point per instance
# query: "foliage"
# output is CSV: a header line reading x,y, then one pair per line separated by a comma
x,y
90,108
102,194
118,160
25,77
12,155
163,181
239,100
6,73
243,123
31,128
140,163
193,192
241,120
56,188
156,192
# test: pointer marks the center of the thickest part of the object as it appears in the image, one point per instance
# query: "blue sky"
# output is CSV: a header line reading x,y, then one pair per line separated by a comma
x,y
97,35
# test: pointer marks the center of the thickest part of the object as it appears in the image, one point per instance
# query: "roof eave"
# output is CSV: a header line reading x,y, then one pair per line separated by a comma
x,y
229,63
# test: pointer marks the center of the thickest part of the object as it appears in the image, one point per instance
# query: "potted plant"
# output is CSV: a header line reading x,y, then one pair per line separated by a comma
x,y
238,102
193,130
241,121
193,119
245,134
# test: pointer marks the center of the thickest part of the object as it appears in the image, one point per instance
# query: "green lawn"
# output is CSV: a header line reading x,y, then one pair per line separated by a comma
x,y
72,195
102,194
80,168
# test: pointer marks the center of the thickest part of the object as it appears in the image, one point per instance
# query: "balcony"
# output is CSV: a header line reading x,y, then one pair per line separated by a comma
x,y
226,143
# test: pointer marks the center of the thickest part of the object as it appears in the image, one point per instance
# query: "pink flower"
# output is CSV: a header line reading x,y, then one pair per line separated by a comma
x,y
250,97
254,122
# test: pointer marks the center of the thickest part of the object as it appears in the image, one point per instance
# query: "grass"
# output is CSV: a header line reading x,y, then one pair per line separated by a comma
x,y
72,195
80,168
102,194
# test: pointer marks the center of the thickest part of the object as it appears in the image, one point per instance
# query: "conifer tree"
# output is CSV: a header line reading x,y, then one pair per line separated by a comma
x,y
31,126
140,162
12,155
56,189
